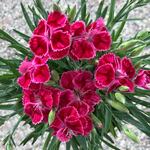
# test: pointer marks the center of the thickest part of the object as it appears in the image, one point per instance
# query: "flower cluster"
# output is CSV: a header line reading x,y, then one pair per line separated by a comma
x,y
76,96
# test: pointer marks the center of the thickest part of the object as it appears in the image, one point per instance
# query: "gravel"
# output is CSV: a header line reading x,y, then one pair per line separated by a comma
x,y
11,18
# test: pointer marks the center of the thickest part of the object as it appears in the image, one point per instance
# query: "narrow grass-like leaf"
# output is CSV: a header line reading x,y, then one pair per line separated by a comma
x,y
104,12
120,28
27,18
5,36
24,36
111,12
41,8
99,10
83,11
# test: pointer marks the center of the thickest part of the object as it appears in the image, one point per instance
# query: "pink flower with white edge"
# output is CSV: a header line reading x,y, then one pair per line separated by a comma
x,y
68,123
112,72
143,79
51,37
31,73
87,41
39,101
80,91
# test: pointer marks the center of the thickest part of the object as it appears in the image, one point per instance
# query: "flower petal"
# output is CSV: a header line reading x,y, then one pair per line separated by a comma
x,y
102,41
24,81
60,40
78,28
56,20
41,28
39,45
34,112
41,74
67,111
67,78
105,74
82,107
82,49
127,67
66,97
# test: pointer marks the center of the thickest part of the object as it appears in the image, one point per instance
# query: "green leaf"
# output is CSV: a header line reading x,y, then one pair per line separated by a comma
x,y
108,117
47,141
83,10
5,36
36,17
78,12
27,18
120,28
7,107
104,12
72,14
52,143
24,36
83,142
74,144
111,12
11,66
40,8
22,49
68,145
99,10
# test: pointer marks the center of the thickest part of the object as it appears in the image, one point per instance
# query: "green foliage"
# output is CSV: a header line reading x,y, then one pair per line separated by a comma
x,y
114,112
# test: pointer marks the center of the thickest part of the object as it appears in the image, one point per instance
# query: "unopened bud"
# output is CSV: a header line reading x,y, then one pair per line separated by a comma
x,y
72,14
131,134
123,88
137,50
142,35
117,105
128,44
56,7
138,64
51,117
121,98
55,75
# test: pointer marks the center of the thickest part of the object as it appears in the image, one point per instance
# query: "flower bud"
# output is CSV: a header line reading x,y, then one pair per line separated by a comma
x,y
121,98
55,75
138,65
123,88
128,44
117,105
56,7
142,35
131,134
51,117
72,14
137,50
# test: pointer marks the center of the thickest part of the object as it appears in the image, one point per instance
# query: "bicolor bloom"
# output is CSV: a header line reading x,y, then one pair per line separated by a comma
x,y
52,37
38,101
31,73
87,41
143,79
68,123
79,91
112,72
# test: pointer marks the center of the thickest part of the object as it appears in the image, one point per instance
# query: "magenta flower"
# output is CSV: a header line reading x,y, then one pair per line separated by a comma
x,y
32,73
80,91
143,79
87,41
38,102
52,37
113,72
68,122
